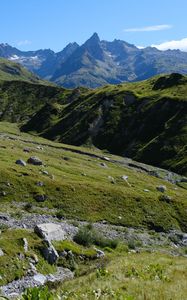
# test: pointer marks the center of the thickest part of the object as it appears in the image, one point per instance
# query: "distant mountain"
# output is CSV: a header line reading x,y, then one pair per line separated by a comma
x,y
97,63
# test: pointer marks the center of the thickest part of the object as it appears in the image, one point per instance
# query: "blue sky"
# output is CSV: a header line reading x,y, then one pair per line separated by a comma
x,y
35,24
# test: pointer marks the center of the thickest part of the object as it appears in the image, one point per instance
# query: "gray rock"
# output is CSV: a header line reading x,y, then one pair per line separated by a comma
x,y
40,198
50,253
103,165
1,252
100,253
25,244
183,179
39,183
111,179
21,162
45,172
3,193
106,158
161,188
35,161
50,231
40,278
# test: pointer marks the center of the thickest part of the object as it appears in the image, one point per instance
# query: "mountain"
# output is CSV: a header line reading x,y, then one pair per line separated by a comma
x,y
98,62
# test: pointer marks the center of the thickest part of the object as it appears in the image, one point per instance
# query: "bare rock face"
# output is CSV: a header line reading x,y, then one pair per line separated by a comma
x,y
50,231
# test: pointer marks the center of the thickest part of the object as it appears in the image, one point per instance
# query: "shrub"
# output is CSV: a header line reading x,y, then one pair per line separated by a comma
x,y
88,236
35,293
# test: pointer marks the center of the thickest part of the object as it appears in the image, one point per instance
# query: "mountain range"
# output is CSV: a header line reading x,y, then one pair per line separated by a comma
x,y
97,62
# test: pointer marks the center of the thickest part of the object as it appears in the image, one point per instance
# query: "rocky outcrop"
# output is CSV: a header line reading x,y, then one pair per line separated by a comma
x,y
15,288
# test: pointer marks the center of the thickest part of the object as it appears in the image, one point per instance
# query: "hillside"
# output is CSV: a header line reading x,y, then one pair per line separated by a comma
x,y
98,62
135,213
82,184
12,71
145,121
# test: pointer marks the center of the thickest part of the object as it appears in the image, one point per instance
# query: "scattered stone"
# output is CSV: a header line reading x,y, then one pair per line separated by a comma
x,y
25,244
3,193
50,231
83,174
40,198
146,190
100,253
184,240
111,179
39,183
21,162
27,150
39,148
106,158
32,270
102,164
35,258
1,252
125,178
165,198
35,161
40,278
161,188
45,172
50,253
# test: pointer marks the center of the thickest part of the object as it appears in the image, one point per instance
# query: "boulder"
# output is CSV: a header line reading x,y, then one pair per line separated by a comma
x,y
25,244
1,252
21,162
50,253
102,164
50,231
40,278
35,161
161,188
40,198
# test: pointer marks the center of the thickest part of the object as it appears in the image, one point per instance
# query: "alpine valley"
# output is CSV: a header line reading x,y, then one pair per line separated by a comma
x,y
93,182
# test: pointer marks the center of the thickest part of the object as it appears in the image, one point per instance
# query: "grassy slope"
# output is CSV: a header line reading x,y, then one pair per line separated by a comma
x,y
12,267
144,120
12,71
149,276
81,188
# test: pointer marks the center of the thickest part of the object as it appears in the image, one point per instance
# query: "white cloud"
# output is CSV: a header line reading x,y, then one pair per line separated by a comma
x,y
23,43
149,28
141,47
175,44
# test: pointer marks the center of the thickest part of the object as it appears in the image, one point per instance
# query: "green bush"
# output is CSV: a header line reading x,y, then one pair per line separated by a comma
x,y
41,293
88,236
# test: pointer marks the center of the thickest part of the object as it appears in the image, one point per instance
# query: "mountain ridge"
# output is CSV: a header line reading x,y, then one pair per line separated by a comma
x,y
98,62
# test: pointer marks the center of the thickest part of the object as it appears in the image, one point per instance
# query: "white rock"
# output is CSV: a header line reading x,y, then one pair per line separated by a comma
x,y
40,278
50,231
